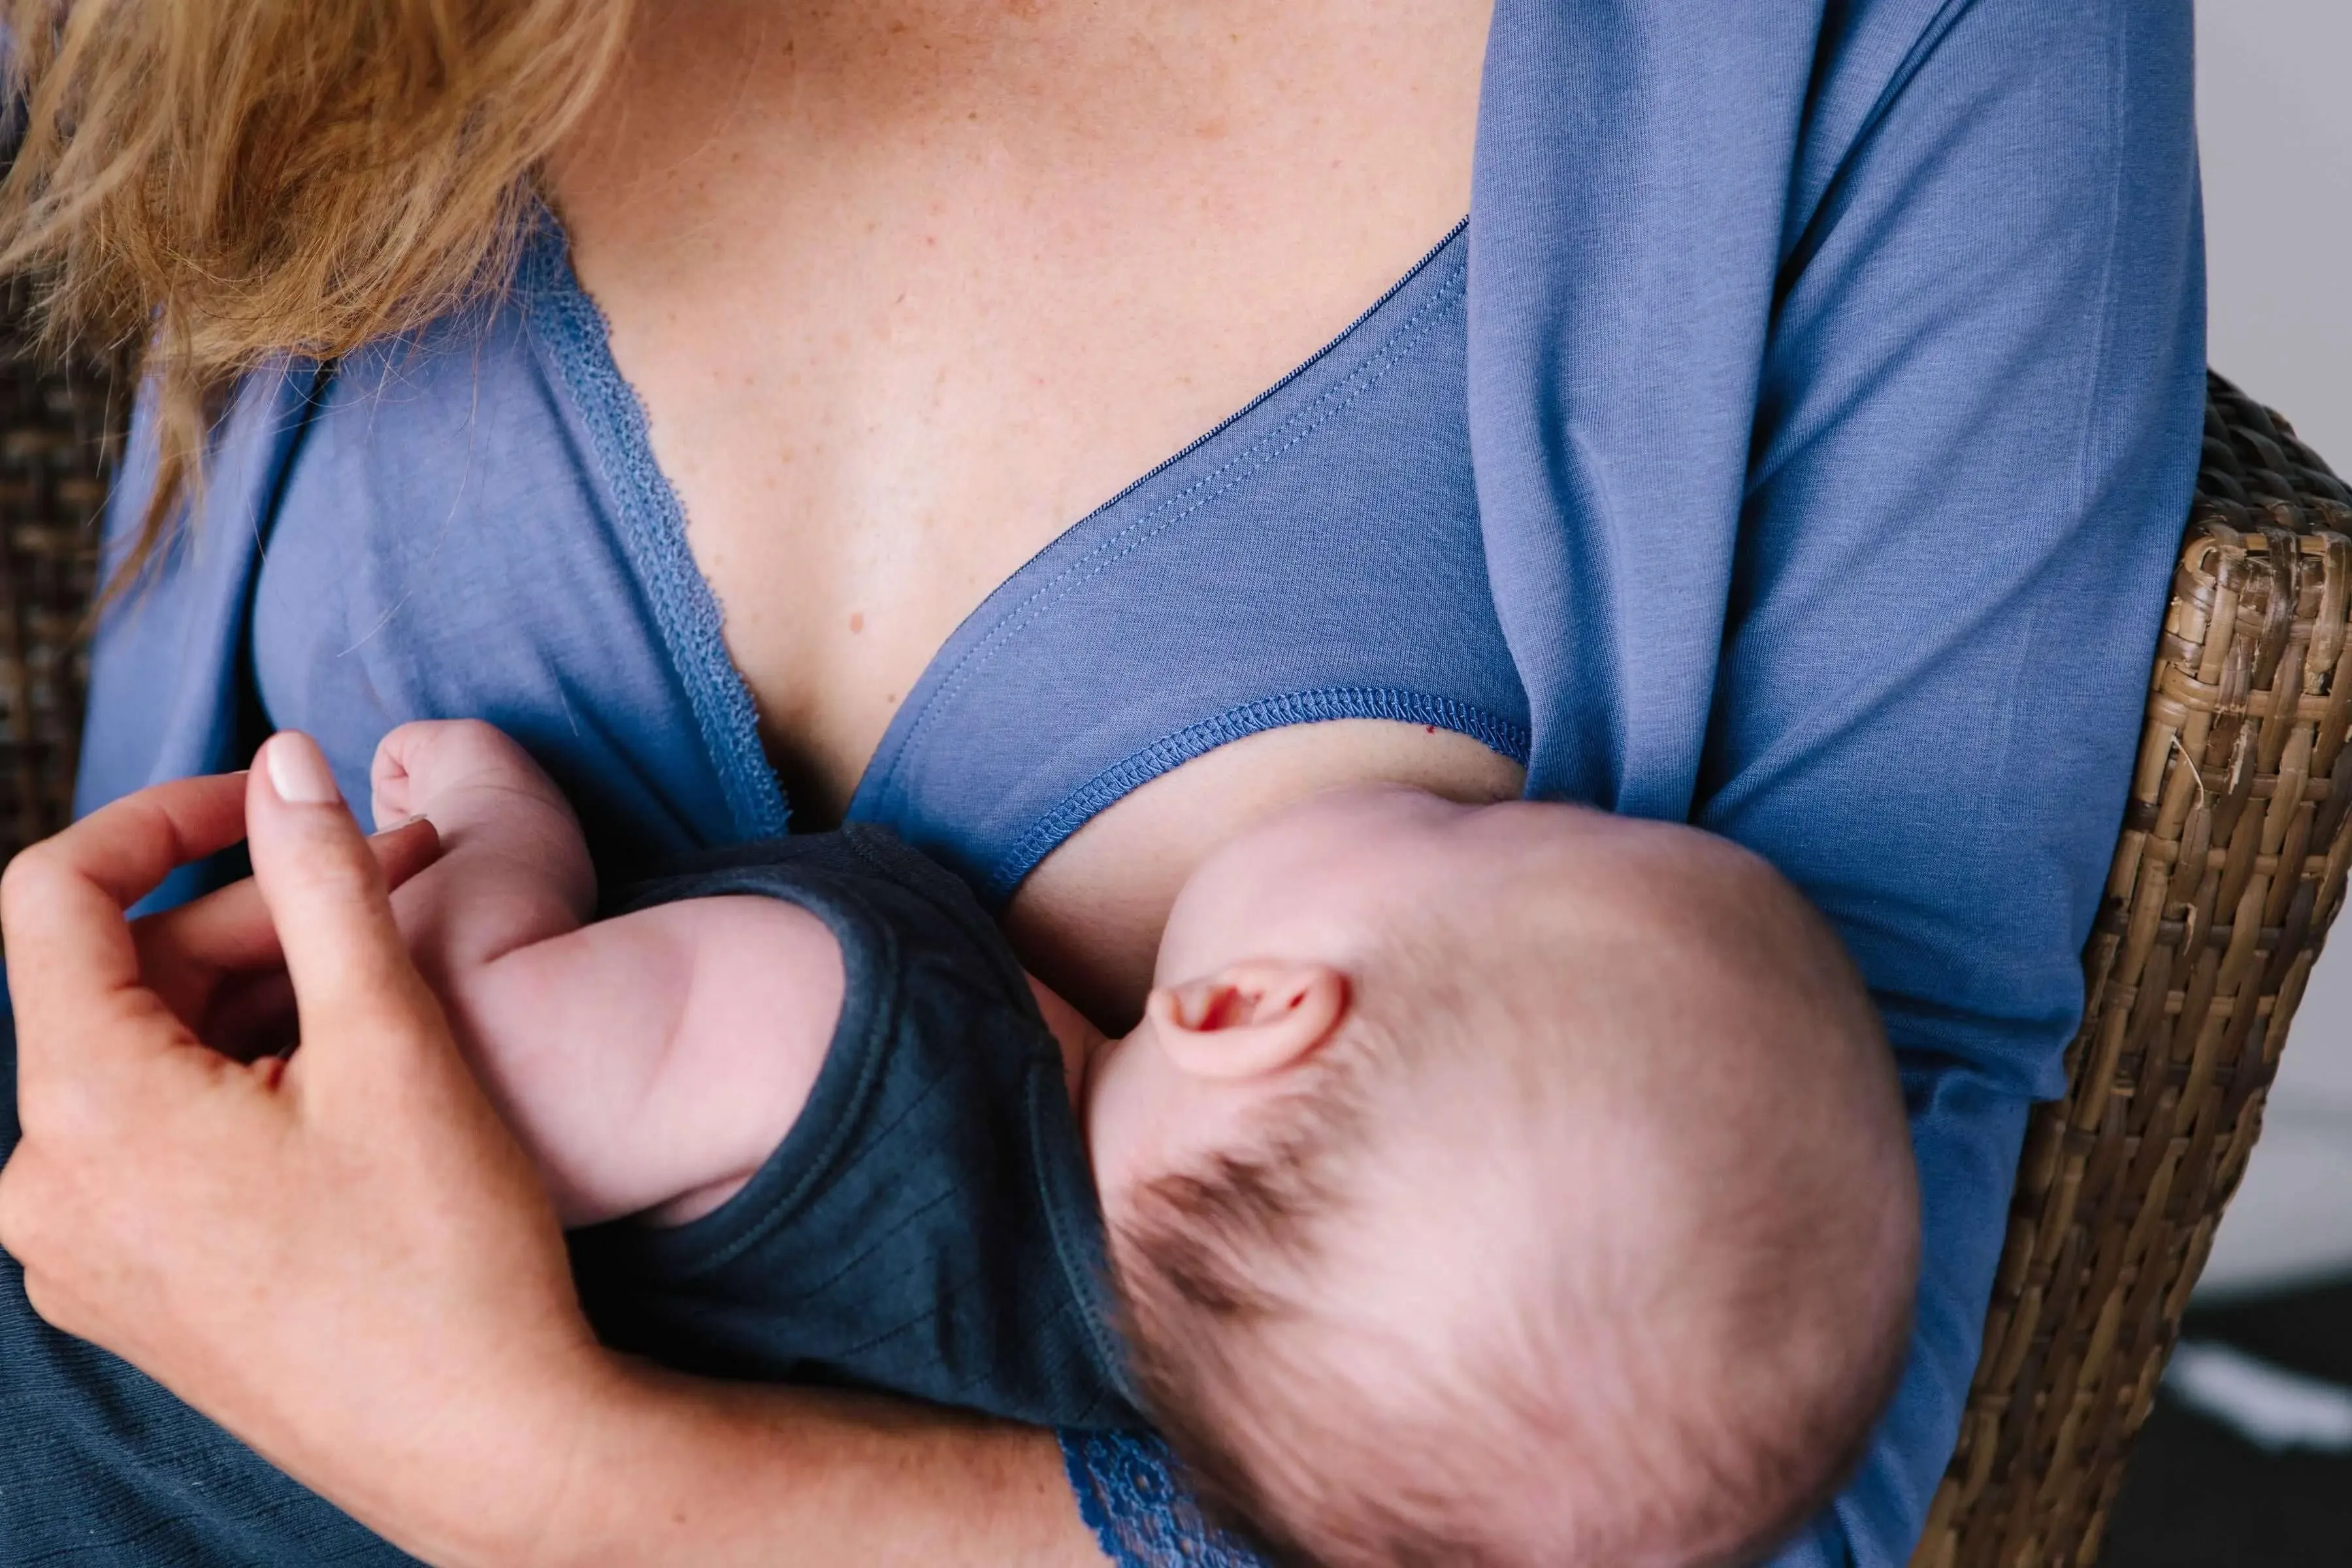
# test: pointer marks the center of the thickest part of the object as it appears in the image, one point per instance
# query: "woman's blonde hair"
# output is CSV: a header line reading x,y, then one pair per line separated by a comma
x,y
211,184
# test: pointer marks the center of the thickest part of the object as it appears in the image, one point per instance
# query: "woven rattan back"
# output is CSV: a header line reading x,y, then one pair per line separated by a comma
x,y
2232,865
60,438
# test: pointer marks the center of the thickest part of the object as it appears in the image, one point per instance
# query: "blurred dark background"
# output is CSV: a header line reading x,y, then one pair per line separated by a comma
x,y
2201,1494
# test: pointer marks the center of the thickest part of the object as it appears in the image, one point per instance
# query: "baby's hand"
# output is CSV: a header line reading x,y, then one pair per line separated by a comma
x,y
514,868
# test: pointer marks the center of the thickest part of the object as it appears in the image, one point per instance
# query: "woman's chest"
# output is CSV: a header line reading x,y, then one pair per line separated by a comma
x,y
474,525
907,288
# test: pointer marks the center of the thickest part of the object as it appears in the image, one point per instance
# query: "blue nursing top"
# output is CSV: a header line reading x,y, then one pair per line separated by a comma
x,y
1222,593
1229,591
1830,379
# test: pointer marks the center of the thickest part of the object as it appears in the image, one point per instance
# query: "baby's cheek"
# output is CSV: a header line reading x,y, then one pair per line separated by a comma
x,y
1125,1114
1147,1119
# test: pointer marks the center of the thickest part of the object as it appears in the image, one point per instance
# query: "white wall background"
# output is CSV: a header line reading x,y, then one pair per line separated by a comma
x,y
2272,97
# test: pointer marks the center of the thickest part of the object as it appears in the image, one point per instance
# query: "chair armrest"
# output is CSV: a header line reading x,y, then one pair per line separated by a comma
x,y
2231,868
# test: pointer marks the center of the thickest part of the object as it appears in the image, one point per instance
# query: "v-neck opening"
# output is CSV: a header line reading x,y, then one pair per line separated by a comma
x,y
651,523
652,526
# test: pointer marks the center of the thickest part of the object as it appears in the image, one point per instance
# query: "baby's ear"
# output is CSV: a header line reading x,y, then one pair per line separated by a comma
x,y
1249,1019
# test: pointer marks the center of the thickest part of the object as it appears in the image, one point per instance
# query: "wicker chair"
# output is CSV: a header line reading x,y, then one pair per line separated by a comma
x,y
61,434
2232,865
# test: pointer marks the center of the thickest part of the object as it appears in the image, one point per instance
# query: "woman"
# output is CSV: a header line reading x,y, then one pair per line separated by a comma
x,y
1794,442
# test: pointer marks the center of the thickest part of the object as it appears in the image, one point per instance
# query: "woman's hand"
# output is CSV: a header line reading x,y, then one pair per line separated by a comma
x,y
340,1254
343,1258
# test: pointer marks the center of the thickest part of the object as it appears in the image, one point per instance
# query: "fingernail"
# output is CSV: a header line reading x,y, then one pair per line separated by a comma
x,y
297,771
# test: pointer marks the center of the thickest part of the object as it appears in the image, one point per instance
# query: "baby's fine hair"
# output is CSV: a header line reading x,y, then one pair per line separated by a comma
x,y
1587,1396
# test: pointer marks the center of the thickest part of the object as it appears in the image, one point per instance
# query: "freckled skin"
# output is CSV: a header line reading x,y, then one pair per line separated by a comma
x,y
982,263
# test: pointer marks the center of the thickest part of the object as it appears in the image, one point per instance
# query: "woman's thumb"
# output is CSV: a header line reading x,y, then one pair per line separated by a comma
x,y
325,893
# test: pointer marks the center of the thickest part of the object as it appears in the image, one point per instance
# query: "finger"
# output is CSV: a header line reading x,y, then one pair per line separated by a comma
x,y
62,900
126,848
388,771
230,929
188,954
327,899
406,850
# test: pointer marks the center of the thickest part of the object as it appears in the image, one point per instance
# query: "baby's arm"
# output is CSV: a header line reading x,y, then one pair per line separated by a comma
x,y
648,1063
651,1063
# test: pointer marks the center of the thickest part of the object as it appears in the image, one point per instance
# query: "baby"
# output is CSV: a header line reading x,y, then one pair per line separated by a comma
x,y
1505,1185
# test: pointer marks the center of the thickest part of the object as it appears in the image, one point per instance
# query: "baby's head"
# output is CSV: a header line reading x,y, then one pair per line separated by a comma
x,y
1507,1186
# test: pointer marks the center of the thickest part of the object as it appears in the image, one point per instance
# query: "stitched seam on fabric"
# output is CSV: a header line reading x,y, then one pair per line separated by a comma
x,y
1071,1252
1317,706
652,531
889,959
1293,429
845,1265
775,1213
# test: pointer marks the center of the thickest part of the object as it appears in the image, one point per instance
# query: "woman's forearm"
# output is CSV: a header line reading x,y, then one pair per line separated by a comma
x,y
677,1469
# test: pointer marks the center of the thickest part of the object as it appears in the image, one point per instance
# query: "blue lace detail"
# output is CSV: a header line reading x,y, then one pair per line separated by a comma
x,y
652,529
1129,1497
